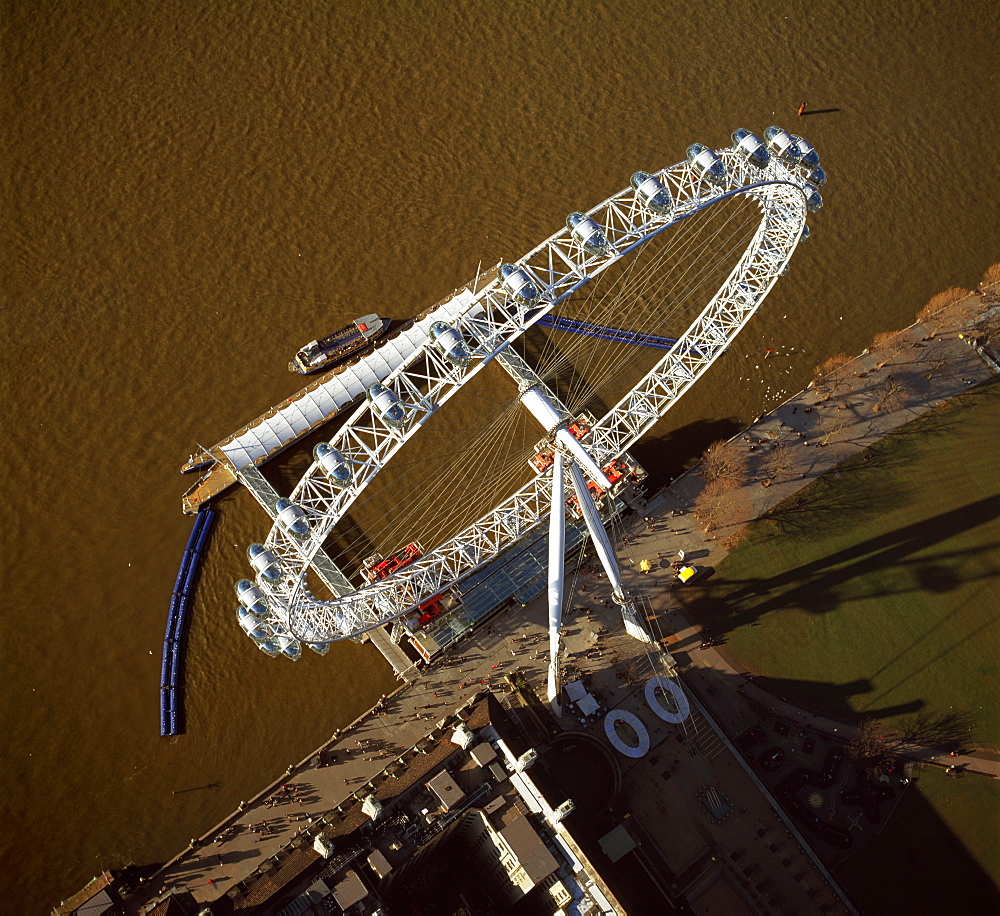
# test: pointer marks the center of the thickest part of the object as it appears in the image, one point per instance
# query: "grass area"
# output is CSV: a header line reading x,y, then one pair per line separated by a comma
x,y
937,852
874,591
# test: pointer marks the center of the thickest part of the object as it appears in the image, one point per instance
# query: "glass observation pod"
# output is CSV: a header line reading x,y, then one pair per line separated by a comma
x,y
751,147
814,200
806,232
252,598
588,233
266,563
780,143
333,463
518,282
652,193
292,517
386,404
817,177
810,158
706,163
251,625
448,341
320,648
290,648
268,647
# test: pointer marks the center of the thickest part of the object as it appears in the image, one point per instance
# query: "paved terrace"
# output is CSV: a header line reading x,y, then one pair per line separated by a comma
x,y
596,641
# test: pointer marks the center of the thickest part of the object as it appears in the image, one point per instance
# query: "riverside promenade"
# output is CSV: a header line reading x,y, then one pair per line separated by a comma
x,y
289,809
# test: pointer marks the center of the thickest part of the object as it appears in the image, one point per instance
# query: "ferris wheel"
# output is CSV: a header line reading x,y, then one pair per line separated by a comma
x,y
778,176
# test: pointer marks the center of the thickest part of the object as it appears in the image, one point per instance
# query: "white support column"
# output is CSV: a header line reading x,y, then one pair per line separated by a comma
x,y
608,560
557,577
554,423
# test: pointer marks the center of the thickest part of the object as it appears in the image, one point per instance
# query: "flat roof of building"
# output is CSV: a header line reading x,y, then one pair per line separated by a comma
x,y
536,860
446,789
350,890
483,753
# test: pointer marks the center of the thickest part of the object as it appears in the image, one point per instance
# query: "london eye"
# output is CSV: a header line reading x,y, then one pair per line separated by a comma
x,y
597,332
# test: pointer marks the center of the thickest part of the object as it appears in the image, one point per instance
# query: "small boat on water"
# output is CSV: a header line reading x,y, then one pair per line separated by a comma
x,y
326,352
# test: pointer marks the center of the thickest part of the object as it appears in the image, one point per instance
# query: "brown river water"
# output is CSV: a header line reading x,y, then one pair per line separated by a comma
x,y
193,190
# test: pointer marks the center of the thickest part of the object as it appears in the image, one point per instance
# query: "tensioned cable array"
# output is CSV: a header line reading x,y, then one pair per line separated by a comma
x,y
467,481
602,363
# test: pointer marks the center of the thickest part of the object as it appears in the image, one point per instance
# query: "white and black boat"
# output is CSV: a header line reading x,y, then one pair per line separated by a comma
x,y
330,350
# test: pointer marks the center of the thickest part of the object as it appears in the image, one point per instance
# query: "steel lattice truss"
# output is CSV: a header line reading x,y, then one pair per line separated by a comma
x,y
492,320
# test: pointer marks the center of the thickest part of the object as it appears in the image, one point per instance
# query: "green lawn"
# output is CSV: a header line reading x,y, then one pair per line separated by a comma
x,y
875,592
937,852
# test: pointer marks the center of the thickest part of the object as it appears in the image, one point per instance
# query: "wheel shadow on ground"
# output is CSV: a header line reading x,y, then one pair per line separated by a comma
x,y
813,587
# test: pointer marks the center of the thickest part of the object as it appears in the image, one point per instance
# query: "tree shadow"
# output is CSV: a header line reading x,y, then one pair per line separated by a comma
x,y
940,730
668,456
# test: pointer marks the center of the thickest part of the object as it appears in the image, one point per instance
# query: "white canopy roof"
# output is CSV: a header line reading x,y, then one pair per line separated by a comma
x,y
584,701
308,409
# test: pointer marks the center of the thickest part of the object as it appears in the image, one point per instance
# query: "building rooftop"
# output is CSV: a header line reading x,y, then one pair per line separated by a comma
x,y
446,790
536,860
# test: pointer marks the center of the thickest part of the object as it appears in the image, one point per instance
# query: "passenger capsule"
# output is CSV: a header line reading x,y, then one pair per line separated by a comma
x,y
652,193
588,233
320,648
706,163
817,177
385,403
251,597
806,232
290,648
814,200
518,282
751,147
780,143
292,517
450,344
333,463
266,563
268,647
810,158
251,625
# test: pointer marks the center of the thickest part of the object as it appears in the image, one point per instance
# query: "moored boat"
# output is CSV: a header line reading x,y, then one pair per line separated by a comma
x,y
326,352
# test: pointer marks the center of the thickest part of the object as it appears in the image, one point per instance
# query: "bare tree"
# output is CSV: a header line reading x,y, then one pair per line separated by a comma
x,y
828,375
891,395
942,300
936,366
725,461
835,429
776,463
952,308
991,276
708,507
887,344
872,745
720,504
